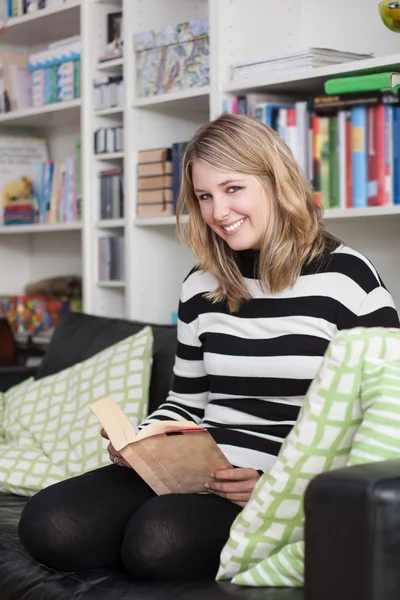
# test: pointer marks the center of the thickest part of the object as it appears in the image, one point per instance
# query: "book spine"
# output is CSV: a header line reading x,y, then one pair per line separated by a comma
x,y
316,144
372,158
342,158
359,149
334,162
325,163
389,152
396,154
380,126
349,162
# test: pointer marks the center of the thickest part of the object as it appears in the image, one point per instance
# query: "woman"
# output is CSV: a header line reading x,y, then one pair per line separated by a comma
x,y
271,289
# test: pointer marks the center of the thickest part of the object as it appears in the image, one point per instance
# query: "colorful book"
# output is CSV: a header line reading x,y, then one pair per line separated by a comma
x,y
360,157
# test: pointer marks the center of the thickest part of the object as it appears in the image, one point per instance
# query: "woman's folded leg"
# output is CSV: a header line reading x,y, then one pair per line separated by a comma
x,y
80,523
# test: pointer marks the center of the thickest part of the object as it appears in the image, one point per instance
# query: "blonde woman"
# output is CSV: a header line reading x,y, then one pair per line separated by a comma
x,y
269,292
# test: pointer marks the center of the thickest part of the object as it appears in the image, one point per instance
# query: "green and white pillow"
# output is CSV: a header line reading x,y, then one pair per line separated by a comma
x,y
50,434
266,547
378,437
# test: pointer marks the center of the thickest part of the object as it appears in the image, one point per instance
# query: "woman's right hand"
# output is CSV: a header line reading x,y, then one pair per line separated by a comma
x,y
115,457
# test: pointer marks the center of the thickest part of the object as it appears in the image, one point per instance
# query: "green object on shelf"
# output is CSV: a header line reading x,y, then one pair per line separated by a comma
x,y
363,83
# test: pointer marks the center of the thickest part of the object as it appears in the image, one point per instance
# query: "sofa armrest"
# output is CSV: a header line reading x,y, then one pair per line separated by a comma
x,y
352,533
10,376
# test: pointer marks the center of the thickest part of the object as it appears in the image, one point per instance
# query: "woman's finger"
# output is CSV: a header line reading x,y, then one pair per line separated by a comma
x,y
103,433
239,474
231,486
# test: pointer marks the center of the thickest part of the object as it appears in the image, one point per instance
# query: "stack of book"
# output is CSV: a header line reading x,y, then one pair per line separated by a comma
x,y
19,213
159,180
155,183
306,59
111,194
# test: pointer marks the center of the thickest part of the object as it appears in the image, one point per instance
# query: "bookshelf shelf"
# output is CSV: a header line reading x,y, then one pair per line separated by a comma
x,y
115,64
59,114
157,221
39,228
44,26
310,81
193,99
361,213
111,224
109,112
110,156
111,284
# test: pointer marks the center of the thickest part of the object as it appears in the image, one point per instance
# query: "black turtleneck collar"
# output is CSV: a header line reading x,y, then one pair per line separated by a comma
x,y
247,261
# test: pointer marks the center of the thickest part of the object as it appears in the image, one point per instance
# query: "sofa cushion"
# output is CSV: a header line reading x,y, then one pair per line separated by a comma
x,y
50,433
22,577
357,379
79,336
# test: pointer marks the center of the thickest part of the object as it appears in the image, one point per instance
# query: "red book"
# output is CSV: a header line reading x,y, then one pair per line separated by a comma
x,y
380,129
372,157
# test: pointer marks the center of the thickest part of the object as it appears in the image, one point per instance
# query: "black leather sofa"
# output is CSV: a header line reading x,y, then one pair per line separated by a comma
x,y
352,515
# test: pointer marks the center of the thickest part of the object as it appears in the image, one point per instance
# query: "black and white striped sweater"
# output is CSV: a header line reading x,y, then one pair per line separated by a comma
x,y
244,375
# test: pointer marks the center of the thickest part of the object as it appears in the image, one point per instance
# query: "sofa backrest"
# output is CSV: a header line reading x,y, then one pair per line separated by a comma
x,y
79,336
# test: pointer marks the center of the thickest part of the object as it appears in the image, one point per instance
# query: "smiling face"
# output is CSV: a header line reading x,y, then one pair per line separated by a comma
x,y
235,206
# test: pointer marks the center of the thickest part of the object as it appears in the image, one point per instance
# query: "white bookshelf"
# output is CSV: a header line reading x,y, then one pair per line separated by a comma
x,y
155,261
60,114
44,26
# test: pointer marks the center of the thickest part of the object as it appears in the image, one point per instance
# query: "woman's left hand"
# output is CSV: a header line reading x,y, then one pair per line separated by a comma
x,y
235,485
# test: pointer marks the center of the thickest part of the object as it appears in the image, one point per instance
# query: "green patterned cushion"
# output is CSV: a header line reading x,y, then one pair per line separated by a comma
x,y
50,433
266,545
378,436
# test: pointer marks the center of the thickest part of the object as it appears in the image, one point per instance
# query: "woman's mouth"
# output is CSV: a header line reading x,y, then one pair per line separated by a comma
x,y
234,227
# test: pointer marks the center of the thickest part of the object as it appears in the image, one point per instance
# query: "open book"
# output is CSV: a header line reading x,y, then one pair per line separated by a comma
x,y
170,456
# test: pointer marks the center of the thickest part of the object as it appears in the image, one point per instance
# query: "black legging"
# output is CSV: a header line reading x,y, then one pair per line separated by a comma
x,y
110,515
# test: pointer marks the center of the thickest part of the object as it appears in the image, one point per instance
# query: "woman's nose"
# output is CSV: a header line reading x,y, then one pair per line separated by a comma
x,y
220,209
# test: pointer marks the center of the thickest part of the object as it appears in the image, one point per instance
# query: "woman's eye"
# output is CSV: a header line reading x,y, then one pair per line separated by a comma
x,y
233,189
204,197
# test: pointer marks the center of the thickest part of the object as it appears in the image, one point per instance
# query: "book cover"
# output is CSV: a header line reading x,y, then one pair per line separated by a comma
x,y
170,456
19,157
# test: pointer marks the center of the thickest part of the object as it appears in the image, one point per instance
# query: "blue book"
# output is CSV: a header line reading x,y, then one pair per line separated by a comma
x,y
396,154
359,123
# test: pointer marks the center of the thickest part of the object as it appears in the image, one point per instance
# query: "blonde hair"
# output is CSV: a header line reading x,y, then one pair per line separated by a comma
x,y
295,233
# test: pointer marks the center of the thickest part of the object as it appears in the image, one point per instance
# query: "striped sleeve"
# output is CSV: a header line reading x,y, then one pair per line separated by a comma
x,y
190,389
376,307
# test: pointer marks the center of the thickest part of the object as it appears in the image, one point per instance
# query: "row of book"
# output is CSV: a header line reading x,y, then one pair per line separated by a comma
x,y
17,8
108,92
109,139
111,258
111,194
158,183
347,145
40,78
